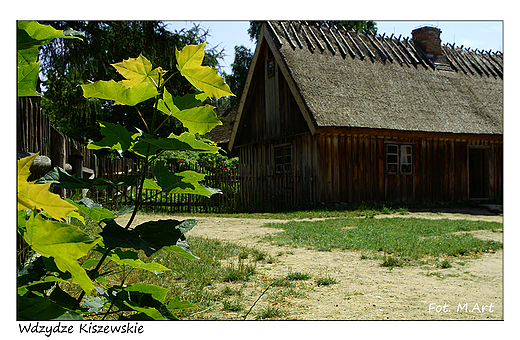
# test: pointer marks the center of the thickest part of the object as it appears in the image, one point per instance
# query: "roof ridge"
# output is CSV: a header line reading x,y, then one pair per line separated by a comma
x,y
385,49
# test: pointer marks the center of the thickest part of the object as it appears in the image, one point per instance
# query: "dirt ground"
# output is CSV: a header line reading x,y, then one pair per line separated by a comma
x,y
471,289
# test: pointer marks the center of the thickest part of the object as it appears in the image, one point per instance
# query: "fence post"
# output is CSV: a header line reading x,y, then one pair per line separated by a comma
x,y
76,161
58,154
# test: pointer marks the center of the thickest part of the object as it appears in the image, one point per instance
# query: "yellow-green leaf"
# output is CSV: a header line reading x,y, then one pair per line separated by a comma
x,y
65,243
138,70
117,91
205,78
76,215
33,196
201,119
132,259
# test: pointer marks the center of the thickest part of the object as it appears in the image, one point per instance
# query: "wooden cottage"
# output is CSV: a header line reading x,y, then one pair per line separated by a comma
x,y
331,116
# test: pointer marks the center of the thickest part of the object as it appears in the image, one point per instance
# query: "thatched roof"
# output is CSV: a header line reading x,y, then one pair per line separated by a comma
x,y
221,133
346,79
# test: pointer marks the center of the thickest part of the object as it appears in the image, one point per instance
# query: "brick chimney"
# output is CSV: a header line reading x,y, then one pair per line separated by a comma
x,y
429,40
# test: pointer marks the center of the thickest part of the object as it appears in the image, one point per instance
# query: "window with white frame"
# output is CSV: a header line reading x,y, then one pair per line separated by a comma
x,y
406,159
399,159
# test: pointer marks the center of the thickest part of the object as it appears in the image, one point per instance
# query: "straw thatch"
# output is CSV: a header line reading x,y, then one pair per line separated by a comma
x,y
325,112
346,79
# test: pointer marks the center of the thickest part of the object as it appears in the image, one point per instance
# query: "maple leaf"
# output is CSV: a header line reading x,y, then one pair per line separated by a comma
x,y
33,196
189,63
65,243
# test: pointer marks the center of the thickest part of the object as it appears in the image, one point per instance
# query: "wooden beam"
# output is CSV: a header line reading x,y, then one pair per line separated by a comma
x,y
274,33
410,55
307,36
423,55
465,67
355,45
314,36
492,62
327,41
366,47
478,63
451,60
463,59
346,44
378,48
288,36
404,58
484,61
393,51
342,51
382,44
495,58
421,61
296,35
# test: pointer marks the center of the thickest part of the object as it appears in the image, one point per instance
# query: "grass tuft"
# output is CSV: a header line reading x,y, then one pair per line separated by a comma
x,y
297,276
270,312
236,273
392,262
445,264
231,305
326,281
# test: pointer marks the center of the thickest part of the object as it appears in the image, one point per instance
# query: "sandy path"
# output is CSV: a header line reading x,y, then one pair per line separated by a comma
x,y
471,289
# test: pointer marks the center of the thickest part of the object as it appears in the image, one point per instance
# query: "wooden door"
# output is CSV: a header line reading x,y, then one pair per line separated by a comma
x,y
478,169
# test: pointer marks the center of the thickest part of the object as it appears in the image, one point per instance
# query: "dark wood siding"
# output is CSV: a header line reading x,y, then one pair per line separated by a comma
x,y
351,167
262,186
270,112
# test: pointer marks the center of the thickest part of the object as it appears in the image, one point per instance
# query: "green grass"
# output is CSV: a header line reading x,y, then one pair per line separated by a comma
x,y
392,262
405,238
326,281
197,281
232,305
281,282
325,212
270,312
237,273
298,276
445,264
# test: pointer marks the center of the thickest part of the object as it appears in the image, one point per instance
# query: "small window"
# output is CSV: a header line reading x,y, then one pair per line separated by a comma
x,y
270,67
399,159
283,159
406,159
392,158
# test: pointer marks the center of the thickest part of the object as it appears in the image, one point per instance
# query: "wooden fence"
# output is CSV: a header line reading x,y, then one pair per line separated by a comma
x,y
227,180
35,133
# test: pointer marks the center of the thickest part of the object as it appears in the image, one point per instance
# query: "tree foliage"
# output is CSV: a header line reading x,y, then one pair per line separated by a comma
x,y
239,69
59,248
66,65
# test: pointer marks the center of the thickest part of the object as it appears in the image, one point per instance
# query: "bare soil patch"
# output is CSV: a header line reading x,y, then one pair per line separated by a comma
x,y
471,289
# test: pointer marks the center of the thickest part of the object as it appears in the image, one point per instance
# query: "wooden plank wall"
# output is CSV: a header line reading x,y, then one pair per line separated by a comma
x,y
350,167
271,112
262,188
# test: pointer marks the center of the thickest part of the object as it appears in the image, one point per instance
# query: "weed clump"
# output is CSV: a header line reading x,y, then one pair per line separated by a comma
x,y
298,276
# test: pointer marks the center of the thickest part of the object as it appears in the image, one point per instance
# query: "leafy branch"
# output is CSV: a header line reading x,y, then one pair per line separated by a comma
x,y
43,216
